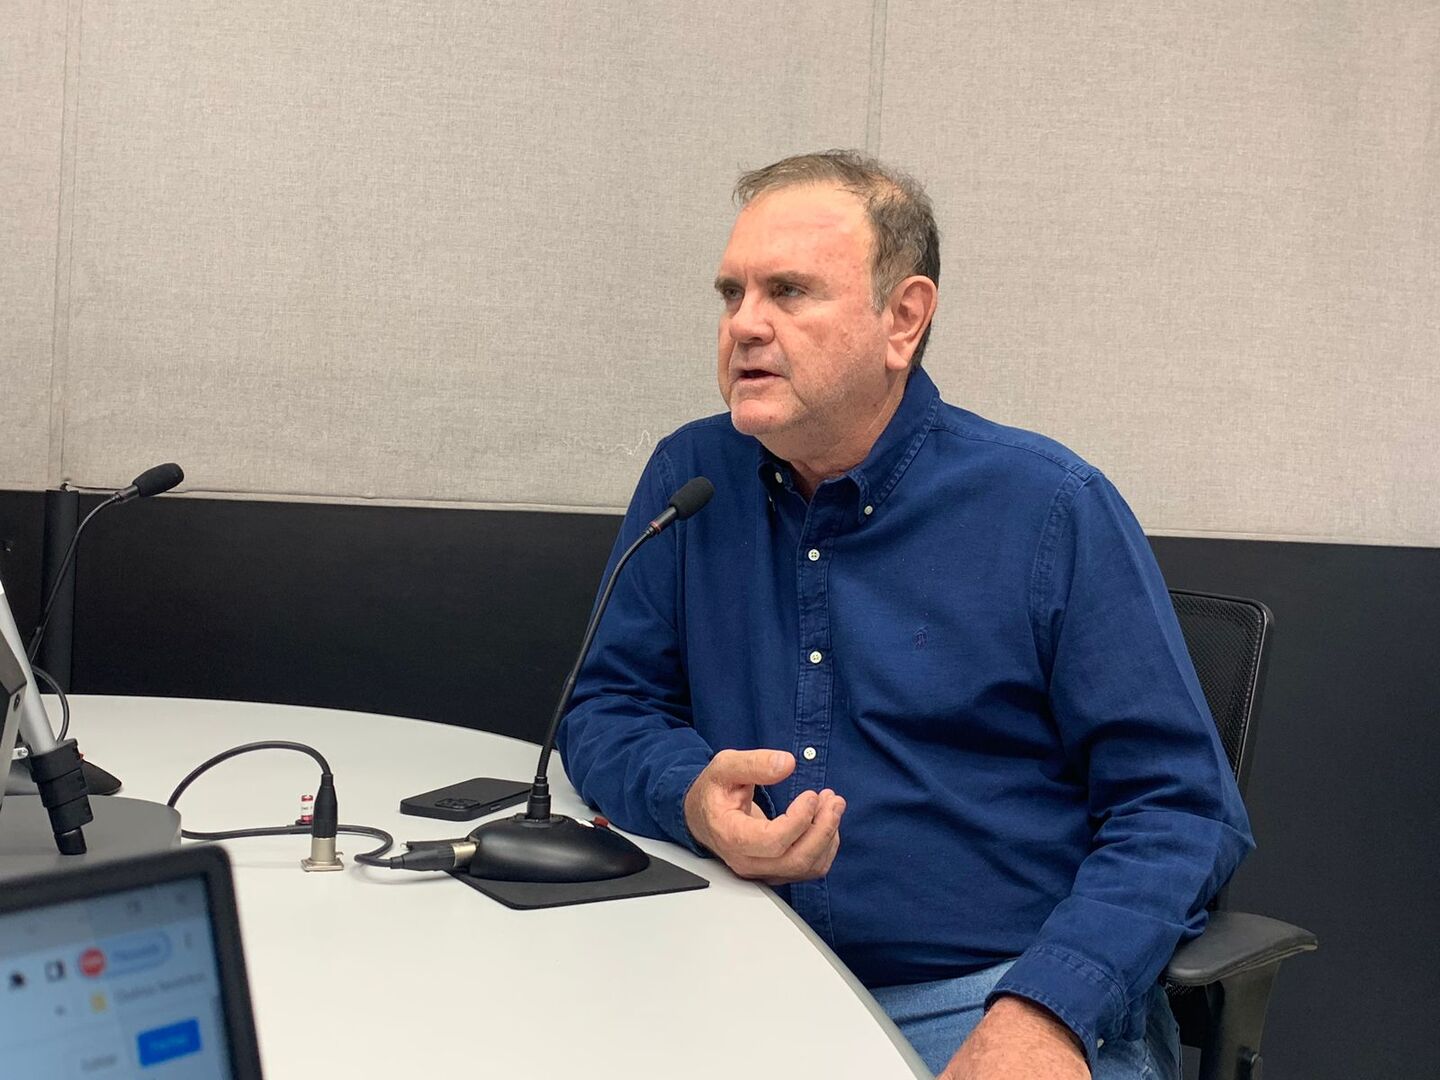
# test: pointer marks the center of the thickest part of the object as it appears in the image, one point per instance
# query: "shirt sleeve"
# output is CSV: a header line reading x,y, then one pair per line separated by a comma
x,y
1170,826
627,740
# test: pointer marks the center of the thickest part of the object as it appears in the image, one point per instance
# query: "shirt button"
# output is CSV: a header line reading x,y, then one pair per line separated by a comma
x,y
869,510
808,753
814,554
778,478
815,657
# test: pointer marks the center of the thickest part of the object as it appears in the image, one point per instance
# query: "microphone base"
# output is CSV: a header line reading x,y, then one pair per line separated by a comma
x,y
556,850
98,781
121,827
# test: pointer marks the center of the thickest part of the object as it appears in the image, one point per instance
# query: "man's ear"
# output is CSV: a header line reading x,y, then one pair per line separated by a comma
x,y
911,307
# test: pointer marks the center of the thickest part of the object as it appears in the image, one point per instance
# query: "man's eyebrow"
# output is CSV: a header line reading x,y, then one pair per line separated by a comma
x,y
789,277
793,277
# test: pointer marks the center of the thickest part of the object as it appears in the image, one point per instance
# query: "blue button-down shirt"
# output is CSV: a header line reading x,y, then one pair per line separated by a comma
x,y
967,637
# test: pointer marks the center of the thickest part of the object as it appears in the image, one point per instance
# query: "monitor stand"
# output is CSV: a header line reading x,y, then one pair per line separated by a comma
x,y
121,827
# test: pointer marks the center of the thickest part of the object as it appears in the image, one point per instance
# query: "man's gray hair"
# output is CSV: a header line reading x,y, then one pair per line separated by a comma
x,y
907,241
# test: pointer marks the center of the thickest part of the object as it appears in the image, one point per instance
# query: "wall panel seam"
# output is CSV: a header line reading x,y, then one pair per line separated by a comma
x,y
64,244
874,102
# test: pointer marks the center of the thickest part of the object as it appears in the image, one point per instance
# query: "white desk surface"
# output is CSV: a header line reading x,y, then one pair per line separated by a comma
x,y
379,973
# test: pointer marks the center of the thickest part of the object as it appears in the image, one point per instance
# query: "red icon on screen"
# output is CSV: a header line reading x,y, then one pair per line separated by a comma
x,y
92,962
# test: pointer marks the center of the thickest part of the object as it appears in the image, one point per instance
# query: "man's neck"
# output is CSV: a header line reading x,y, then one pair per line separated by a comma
x,y
812,471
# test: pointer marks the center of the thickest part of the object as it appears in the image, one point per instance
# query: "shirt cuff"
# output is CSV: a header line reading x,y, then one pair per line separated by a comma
x,y
668,803
1077,990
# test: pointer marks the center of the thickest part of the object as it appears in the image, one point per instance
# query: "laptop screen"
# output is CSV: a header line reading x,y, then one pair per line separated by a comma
x,y
121,983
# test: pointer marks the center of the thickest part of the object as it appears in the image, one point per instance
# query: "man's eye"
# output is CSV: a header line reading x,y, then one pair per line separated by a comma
x,y
730,294
788,291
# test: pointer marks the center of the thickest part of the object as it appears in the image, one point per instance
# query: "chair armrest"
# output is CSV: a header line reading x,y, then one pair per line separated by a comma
x,y
1235,942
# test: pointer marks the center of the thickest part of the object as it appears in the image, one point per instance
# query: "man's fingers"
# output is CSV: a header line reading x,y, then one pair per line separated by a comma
x,y
810,856
766,838
812,849
797,845
807,873
720,809
829,860
737,767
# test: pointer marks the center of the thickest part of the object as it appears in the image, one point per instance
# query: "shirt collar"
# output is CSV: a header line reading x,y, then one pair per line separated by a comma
x,y
876,476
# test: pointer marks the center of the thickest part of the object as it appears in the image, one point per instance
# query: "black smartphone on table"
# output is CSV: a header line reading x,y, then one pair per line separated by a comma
x,y
466,800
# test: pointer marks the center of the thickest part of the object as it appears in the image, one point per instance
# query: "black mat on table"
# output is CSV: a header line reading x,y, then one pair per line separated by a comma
x,y
657,878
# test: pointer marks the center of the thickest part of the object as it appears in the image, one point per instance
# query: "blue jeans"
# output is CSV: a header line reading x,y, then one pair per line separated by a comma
x,y
938,1016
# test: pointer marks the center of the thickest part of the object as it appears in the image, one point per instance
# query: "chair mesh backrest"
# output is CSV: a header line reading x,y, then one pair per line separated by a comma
x,y
1226,638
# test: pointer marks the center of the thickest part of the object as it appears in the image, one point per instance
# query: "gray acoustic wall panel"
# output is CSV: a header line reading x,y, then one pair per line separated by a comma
x,y
32,97
420,250
461,252
1198,242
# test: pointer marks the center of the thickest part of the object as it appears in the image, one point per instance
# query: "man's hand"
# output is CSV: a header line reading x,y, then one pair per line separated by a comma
x,y
721,813
1018,1040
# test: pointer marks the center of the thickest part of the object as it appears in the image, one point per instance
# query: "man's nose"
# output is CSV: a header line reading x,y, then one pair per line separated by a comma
x,y
749,324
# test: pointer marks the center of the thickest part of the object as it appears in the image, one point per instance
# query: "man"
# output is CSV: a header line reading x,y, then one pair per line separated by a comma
x,y
948,633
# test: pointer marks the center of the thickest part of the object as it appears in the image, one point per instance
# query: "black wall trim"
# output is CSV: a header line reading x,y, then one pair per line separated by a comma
x,y
22,539
469,618
472,617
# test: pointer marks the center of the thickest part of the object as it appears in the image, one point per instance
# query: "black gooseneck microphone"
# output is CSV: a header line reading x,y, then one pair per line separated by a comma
x,y
539,846
56,766
153,481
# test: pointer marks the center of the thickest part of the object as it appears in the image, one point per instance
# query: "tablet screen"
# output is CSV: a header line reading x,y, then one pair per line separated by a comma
x,y
118,985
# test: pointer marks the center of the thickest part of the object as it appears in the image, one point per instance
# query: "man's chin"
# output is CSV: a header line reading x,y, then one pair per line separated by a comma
x,y
751,418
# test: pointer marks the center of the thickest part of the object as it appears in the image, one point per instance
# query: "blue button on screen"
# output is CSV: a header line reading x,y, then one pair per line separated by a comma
x,y
168,1043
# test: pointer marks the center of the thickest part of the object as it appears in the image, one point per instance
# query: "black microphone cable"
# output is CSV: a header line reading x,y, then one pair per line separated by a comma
x,y
426,855
49,681
324,825
421,854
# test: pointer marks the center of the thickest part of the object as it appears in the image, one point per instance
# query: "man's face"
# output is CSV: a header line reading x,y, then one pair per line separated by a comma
x,y
802,350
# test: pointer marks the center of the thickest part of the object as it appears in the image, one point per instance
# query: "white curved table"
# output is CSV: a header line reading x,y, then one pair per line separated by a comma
x,y
377,973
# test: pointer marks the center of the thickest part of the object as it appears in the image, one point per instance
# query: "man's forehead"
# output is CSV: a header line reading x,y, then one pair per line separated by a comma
x,y
813,218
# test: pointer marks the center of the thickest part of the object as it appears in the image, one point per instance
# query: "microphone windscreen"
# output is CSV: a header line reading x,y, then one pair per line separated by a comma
x,y
690,498
159,479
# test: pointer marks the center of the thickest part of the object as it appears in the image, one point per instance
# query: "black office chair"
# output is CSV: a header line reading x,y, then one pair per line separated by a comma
x,y
1219,983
